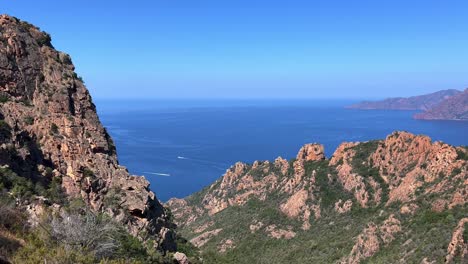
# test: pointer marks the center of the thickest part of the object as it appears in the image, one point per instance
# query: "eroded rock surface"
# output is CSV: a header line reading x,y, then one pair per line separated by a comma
x,y
403,176
372,239
55,132
458,246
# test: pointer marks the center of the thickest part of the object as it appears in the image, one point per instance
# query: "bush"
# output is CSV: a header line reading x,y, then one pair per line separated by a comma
x,y
29,120
10,217
85,234
87,173
112,199
55,192
54,129
4,99
82,236
44,40
5,130
24,188
40,249
184,246
19,187
462,155
455,172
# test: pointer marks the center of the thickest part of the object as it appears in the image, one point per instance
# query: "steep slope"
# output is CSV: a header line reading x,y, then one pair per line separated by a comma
x,y
385,201
49,131
421,102
453,108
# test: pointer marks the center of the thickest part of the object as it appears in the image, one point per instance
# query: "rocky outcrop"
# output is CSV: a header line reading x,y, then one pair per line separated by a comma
x,y
343,207
225,245
352,181
458,246
255,226
394,181
408,162
205,237
421,102
54,132
243,182
372,238
311,152
452,108
181,258
279,233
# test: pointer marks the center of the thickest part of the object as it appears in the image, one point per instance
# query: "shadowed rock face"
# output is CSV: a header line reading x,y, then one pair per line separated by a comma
x,y
53,127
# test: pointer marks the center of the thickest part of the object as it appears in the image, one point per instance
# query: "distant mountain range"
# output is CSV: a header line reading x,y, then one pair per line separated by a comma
x,y
442,105
452,108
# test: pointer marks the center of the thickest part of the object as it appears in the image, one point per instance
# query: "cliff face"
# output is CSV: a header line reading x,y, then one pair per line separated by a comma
x,y
453,108
50,129
422,102
367,196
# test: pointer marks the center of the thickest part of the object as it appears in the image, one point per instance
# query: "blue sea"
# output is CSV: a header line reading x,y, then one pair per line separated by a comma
x,y
183,145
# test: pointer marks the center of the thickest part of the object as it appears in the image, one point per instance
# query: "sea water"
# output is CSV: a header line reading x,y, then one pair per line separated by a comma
x,y
182,146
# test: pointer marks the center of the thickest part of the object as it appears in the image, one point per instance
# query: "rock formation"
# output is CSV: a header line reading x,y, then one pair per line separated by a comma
x,y
394,182
50,129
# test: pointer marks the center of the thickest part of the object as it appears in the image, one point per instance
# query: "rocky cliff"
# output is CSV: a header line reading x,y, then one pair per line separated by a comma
x,y
49,130
453,108
392,200
421,102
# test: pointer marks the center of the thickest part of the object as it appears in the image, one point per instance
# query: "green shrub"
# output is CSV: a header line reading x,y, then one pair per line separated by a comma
x,y
5,130
129,246
81,236
24,188
19,187
462,155
54,129
42,249
29,120
26,102
55,192
87,173
4,99
455,172
44,40
112,199
184,246
431,217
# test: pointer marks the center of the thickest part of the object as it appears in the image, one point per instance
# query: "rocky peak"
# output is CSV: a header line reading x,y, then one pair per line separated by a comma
x,y
373,176
311,152
55,132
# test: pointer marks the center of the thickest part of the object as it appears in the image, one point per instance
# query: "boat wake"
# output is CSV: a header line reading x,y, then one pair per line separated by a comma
x,y
157,173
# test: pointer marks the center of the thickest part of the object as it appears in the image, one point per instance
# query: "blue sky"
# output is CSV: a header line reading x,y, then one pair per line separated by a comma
x,y
258,49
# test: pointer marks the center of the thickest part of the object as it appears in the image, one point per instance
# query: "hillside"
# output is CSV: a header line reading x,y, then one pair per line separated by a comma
x,y
398,200
453,108
57,162
421,102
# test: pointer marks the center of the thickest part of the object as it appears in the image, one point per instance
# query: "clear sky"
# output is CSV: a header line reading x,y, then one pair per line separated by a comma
x,y
258,48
